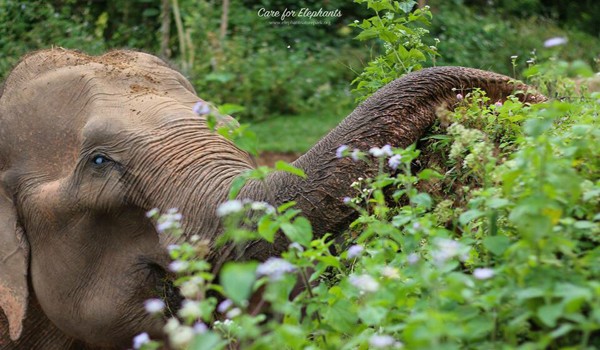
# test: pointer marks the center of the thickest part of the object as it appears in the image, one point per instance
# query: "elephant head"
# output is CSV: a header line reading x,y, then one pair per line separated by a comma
x,y
89,144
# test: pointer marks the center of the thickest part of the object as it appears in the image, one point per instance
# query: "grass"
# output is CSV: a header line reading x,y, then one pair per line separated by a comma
x,y
297,133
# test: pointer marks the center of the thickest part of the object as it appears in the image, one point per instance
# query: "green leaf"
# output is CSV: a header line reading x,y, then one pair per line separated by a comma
x,y
422,199
284,166
496,244
469,216
267,228
230,108
207,341
237,280
236,186
429,174
372,315
548,314
407,6
300,231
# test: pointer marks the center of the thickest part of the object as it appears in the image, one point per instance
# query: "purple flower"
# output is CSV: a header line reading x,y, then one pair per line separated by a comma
x,y
154,306
225,305
201,108
483,273
381,152
395,161
140,339
459,97
364,282
178,265
275,268
378,341
556,41
355,251
355,155
498,104
339,153
347,200
200,327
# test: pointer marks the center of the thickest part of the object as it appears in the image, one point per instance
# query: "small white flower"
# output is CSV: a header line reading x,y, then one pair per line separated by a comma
x,y
381,152
339,153
190,288
178,265
381,341
446,249
172,247
556,41
225,305
152,212
233,313
201,108
347,200
355,251
230,207
355,21
262,206
181,337
364,282
355,155
395,161
390,272
297,246
514,57
483,273
200,327
171,325
275,268
413,258
416,226
154,306
190,308
140,339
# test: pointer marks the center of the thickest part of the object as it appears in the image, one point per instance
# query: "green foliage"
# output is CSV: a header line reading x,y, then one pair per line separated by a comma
x,y
401,31
501,251
485,39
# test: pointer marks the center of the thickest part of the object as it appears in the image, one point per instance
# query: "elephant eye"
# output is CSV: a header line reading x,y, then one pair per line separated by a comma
x,y
100,159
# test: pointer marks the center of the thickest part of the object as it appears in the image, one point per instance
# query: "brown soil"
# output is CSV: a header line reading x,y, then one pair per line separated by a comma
x,y
270,158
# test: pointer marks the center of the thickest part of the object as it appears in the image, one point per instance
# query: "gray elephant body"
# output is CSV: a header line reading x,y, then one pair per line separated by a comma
x,y
89,144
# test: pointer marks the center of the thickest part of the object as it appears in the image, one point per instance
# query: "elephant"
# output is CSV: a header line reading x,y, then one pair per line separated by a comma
x,y
89,144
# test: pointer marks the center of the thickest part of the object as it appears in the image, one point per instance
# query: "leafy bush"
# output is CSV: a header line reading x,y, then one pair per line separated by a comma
x,y
491,242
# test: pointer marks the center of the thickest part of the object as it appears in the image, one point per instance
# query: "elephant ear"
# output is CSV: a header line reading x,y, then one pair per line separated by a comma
x,y
14,259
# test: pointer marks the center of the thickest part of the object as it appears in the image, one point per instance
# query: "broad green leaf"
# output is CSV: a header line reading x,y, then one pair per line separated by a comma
x,y
470,215
230,108
429,174
548,314
267,228
372,315
496,244
237,280
207,341
300,231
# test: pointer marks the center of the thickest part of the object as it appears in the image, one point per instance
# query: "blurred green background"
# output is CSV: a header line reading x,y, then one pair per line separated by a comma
x,y
293,80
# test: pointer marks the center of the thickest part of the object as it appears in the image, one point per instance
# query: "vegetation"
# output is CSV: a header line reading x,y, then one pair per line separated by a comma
x,y
491,243
275,68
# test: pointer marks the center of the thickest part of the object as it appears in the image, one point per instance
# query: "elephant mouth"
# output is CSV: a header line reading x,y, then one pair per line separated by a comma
x,y
163,285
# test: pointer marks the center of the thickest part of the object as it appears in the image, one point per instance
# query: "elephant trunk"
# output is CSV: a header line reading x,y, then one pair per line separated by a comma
x,y
398,115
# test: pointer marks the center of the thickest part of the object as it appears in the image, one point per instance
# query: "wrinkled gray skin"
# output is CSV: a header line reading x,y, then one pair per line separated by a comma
x,y
78,256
